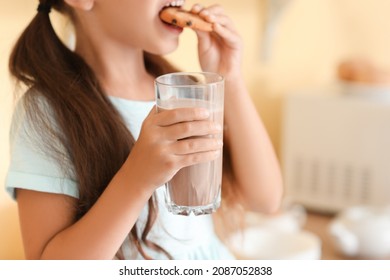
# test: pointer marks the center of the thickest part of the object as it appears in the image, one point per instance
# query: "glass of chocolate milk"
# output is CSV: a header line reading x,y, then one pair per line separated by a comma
x,y
194,189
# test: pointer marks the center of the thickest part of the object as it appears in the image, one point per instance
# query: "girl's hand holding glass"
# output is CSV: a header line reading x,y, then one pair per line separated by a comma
x,y
166,137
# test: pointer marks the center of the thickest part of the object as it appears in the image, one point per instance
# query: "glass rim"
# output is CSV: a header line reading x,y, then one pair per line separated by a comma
x,y
219,78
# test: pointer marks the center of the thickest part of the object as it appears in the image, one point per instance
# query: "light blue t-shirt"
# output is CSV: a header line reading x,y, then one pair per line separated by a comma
x,y
183,237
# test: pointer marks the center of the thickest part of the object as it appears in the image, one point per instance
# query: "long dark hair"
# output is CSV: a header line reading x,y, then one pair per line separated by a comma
x,y
91,130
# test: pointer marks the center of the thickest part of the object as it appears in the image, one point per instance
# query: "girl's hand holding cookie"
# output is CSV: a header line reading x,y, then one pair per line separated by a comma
x,y
219,44
220,50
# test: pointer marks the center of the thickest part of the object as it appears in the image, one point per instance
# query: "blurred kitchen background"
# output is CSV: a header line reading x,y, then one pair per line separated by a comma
x,y
319,74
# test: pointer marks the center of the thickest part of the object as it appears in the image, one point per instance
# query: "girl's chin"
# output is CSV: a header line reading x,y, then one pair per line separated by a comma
x,y
165,50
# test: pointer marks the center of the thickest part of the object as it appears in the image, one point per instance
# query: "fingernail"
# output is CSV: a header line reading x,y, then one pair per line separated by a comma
x,y
211,18
205,13
196,8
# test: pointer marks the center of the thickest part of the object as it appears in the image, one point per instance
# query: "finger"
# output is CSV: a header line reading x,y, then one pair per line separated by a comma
x,y
196,145
184,130
196,9
209,14
223,20
152,112
230,38
150,116
173,116
216,9
213,14
204,39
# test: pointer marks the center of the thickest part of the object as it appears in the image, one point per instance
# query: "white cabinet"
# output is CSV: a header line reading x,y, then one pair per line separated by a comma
x,y
336,149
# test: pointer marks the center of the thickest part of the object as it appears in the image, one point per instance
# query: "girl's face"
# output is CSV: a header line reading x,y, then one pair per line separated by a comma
x,y
136,24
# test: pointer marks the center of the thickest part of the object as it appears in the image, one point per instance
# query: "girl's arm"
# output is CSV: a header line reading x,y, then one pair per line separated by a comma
x,y
50,232
255,167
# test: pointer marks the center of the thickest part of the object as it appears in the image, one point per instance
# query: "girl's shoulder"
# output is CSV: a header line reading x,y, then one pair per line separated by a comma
x,y
38,161
31,113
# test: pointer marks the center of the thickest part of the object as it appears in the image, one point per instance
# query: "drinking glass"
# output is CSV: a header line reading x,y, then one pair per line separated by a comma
x,y
194,189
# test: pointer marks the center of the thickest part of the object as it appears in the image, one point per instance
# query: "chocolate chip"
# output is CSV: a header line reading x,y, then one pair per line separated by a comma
x,y
174,21
189,23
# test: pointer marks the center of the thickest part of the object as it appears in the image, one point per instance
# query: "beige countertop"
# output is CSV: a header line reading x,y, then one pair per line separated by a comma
x,y
319,224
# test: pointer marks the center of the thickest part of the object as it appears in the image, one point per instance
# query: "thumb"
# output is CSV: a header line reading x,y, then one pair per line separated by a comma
x,y
151,113
204,39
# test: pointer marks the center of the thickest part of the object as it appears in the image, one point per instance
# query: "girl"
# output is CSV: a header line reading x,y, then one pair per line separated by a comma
x,y
89,151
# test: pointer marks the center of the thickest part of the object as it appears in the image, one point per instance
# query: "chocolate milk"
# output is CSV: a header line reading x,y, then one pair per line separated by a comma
x,y
198,185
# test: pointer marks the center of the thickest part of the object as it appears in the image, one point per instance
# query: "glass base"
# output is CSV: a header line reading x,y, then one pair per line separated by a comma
x,y
196,210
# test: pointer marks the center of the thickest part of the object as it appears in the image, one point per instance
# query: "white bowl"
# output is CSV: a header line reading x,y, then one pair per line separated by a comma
x,y
362,232
258,243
